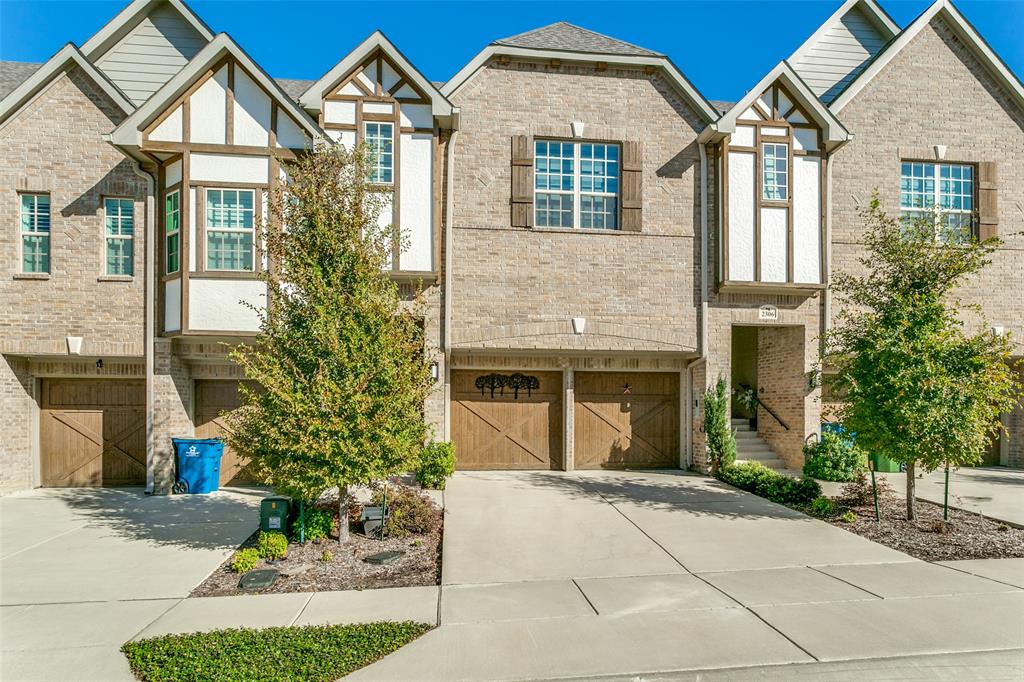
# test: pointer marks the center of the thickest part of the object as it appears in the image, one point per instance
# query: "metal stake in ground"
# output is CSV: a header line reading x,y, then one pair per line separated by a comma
x,y
874,491
945,496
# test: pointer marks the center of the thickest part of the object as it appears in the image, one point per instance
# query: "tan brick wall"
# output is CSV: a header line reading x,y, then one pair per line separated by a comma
x,y
173,404
1015,427
517,288
935,91
783,386
17,405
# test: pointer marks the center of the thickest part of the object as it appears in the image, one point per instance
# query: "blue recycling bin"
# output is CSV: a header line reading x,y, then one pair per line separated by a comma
x,y
198,464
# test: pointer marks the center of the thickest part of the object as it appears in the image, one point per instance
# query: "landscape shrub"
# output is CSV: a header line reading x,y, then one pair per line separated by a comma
x,y
437,463
760,480
833,458
272,545
280,654
245,560
822,506
720,440
409,512
848,517
326,557
319,524
858,491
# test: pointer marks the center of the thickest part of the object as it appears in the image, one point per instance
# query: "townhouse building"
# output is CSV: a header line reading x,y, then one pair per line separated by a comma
x,y
595,241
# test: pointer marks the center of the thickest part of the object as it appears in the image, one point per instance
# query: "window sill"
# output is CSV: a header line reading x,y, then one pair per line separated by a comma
x,y
735,287
224,274
115,278
581,230
41,276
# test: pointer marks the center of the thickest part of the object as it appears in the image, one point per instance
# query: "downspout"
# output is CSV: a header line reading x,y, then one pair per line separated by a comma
x,y
827,265
149,289
447,270
691,399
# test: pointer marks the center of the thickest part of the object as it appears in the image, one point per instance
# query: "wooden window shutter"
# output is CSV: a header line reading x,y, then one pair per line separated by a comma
x,y
632,186
522,181
988,204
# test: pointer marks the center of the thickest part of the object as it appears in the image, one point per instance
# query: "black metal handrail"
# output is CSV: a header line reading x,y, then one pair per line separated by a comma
x,y
766,408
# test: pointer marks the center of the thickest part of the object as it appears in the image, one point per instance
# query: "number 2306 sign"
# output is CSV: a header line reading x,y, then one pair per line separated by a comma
x,y
768,312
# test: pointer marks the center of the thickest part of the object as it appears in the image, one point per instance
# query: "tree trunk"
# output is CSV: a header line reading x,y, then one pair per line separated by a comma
x,y
342,514
911,493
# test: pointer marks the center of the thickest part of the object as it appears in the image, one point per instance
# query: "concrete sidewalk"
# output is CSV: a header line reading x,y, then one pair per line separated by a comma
x,y
996,492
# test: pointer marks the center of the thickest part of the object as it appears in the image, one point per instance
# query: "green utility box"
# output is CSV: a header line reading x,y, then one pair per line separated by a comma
x,y
274,514
884,464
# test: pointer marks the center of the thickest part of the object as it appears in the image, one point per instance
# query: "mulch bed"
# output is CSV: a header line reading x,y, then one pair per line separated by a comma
x,y
967,535
305,571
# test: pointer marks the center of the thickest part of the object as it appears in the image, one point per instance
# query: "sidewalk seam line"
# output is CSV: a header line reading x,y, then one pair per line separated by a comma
x,y
150,623
302,610
643,532
977,575
589,603
43,542
862,589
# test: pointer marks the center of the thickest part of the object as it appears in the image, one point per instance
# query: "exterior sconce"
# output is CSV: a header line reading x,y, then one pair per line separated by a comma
x,y
99,364
434,370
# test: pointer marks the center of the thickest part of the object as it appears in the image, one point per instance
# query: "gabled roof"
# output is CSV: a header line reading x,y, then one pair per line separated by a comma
x,y
585,53
312,98
565,36
834,133
13,74
964,30
55,65
294,87
874,12
129,17
129,133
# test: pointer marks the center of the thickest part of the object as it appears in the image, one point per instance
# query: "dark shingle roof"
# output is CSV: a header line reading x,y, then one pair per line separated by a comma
x,y
13,74
568,38
294,88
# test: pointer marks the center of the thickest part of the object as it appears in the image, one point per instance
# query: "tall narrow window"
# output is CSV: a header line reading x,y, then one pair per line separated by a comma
x,y
941,190
35,233
576,184
379,138
775,169
172,232
230,220
120,229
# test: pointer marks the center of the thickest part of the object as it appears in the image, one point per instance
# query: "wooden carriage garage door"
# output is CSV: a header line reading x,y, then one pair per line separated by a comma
x,y
626,419
503,431
92,432
214,397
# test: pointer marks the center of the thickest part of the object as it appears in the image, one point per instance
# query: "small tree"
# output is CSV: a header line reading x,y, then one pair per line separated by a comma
x,y
720,440
339,362
919,389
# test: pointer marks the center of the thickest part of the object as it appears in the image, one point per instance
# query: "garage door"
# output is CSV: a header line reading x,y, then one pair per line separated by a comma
x,y
213,399
626,420
506,428
92,432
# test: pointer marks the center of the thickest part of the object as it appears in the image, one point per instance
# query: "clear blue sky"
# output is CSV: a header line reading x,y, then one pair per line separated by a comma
x,y
304,39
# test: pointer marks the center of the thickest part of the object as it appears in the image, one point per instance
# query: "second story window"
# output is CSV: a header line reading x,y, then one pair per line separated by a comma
x,y
576,184
230,221
35,233
942,191
380,139
172,232
775,169
120,232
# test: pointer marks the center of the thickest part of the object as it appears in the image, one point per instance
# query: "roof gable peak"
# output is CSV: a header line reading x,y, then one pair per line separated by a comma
x,y
567,37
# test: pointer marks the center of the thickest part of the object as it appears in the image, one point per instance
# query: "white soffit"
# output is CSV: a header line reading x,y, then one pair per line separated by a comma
x,y
54,66
966,32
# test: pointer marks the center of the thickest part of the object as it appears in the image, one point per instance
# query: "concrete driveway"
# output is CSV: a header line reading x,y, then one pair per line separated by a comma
x,y
84,570
550,575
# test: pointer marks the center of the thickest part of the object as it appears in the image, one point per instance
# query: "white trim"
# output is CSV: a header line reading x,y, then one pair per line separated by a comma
x,y
871,8
54,66
312,98
129,17
965,31
129,133
467,72
835,133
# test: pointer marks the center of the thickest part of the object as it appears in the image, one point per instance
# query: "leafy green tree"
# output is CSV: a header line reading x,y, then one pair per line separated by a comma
x,y
339,360
919,389
721,442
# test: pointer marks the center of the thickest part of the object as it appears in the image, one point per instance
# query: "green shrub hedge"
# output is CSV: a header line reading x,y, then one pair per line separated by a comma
x,y
283,654
245,560
760,480
410,512
437,463
833,458
319,524
272,545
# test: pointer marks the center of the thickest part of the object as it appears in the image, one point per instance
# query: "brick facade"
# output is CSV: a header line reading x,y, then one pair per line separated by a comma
x,y
518,288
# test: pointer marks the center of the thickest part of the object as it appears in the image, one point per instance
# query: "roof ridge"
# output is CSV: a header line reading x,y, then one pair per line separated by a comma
x,y
568,37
